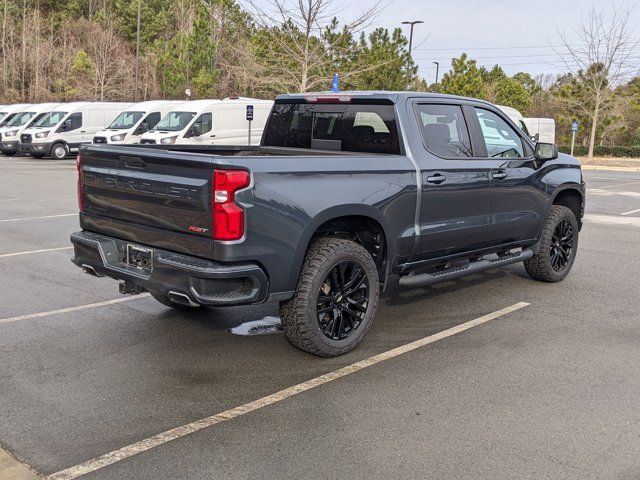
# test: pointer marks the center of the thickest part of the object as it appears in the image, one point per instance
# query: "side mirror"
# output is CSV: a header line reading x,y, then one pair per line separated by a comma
x,y
65,125
196,130
546,151
142,128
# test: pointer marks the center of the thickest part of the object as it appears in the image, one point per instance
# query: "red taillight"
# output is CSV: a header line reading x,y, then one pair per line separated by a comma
x,y
228,216
80,199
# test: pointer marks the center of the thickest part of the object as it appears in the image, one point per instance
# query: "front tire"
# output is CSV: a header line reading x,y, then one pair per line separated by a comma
x,y
558,247
59,151
336,299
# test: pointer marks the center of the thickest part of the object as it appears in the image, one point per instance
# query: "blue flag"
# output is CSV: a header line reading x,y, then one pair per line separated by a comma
x,y
335,84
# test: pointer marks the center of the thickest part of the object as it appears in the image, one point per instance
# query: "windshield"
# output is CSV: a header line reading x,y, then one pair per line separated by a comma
x,y
175,121
126,120
6,120
51,119
21,119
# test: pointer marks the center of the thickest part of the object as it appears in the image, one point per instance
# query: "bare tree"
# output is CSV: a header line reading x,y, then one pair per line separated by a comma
x,y
600,56
306,34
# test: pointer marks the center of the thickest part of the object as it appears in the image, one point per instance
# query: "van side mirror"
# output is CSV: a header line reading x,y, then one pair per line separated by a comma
x,y
65,125
546,151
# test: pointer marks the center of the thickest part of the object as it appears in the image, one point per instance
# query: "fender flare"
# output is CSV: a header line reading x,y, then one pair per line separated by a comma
x,y
349,210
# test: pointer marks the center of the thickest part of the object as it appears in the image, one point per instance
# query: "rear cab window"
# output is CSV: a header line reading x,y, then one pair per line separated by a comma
x,y
444,130
365,128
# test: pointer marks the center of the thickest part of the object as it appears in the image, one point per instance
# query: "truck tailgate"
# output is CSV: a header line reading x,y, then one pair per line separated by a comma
x,y
157,198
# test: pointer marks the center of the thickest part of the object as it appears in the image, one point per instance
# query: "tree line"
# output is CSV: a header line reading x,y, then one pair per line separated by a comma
x,y
86,50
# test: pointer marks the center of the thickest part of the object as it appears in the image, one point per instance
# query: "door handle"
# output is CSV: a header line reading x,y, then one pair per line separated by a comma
x,y
499,175
83,131
437,178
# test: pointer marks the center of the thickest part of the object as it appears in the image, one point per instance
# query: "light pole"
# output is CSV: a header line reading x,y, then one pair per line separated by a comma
x,y
437,70
138,49
412,23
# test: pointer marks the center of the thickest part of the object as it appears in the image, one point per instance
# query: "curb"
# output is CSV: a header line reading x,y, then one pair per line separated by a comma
x,y
615,169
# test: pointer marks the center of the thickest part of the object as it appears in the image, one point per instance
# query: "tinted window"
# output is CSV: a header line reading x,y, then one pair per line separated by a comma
x,y
445,130
75,119
206,122
500,138
151,121
352,128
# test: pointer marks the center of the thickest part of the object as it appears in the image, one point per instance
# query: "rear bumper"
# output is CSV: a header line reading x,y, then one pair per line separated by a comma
x,y
204,282
37,148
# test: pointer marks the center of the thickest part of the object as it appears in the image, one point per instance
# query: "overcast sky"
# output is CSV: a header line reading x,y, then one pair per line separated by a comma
x,y
513,33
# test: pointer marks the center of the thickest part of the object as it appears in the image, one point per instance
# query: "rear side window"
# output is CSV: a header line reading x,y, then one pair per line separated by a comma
x,y
444,130
348,128
502,141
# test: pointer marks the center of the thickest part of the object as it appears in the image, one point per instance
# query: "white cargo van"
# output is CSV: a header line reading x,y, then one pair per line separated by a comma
x,y
516,117
211,122
542,129
136,120
68,126
10,111
10,133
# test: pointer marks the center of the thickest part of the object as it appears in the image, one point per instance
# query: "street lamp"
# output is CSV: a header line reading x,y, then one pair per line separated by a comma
x,y
412,23
437,70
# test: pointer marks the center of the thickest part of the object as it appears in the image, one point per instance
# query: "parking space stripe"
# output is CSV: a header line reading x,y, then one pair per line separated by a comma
x,y
15,254
38,218
178,432
631,212
612,219
71,309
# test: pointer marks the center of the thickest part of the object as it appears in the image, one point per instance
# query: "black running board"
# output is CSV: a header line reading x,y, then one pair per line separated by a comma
x,y
422,279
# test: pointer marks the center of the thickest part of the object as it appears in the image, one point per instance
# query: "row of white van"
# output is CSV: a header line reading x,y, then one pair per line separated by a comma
x,y
539,129
58,129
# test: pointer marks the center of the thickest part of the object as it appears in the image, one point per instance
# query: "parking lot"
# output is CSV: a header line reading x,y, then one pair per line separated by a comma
x,y
543,383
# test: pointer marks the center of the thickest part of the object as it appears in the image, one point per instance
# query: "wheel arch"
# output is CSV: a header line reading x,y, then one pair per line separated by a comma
x,y
354,219
572,197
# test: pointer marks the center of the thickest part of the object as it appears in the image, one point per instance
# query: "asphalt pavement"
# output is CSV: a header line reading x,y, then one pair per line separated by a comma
x,y
548,390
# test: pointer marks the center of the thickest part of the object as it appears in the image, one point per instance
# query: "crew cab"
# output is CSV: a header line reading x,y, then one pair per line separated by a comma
x,y
347,195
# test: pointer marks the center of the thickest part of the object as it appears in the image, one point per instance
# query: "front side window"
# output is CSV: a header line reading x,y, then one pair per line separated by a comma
x,y
445,130
74,121
21,119
348,128
175,121
501,140
51,119
150,122
205,122
126,120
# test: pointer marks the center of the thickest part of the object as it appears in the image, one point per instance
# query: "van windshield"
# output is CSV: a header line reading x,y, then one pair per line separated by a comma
x,y
21,119
51,119
175,121
126,120
6,120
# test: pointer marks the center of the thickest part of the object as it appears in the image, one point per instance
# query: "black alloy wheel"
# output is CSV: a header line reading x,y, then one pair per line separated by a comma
x,y
342,301
561,245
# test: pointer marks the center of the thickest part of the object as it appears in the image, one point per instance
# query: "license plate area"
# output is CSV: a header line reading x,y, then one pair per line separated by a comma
x,y
140,258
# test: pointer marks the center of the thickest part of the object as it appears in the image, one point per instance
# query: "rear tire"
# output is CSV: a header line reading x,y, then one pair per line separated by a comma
x,y
59,151
164,299
558,247
336,299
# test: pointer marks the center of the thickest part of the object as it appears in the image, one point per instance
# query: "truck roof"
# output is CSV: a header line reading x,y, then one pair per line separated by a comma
x,y
392,96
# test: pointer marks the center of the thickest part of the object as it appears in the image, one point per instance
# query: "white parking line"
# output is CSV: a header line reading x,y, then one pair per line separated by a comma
x,y
39,218
612,219
15,254
619,185
631,212
610,193
178,432
71,309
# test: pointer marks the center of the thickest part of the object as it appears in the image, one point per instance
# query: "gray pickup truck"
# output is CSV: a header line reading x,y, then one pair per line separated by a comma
x,y
347,194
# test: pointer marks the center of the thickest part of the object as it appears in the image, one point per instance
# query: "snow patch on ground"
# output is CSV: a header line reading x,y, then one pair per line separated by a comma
x,y
263,326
